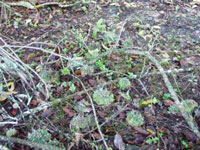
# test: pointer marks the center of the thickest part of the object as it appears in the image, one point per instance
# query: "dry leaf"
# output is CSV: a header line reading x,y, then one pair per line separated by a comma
x,y
118,142
68,112
47,113
3,98
168,102
4,94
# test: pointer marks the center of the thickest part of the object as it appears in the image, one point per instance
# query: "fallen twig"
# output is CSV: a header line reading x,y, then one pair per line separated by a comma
x,y
31,144
32,6
94,112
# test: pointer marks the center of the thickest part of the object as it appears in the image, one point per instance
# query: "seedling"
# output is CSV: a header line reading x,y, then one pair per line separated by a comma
x,y
11,132
188,106
124,83
103,97
184,143
64,84
166,96
82,122
43,137
65,71
135,118
72,87
180,57
100,27
155,139
101,66
152,140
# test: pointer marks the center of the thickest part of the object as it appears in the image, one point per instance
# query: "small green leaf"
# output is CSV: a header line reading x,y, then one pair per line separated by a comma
x,y
65,71
11,132
72,87
101,66
149,141
166,96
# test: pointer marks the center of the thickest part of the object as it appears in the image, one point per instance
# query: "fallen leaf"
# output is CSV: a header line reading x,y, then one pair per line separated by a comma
x,y
140,130
13,112
68,112
151,130
78,72
34,102
10,87
145,103
101,114
139,139
141,32
3,98
118,142
78,97
97,136
47,113
134,57
116,58
168,102
78,138
92,82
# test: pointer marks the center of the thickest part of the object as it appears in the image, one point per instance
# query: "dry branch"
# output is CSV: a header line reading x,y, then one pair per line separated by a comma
x,y
32,6
25,142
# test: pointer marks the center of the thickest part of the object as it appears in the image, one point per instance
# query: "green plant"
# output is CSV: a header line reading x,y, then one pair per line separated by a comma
x,y
135,118
65,71
57,81
39,136
166,96
82,122
184,143
11,132
187,105
132,75
152,140
64,84
101,66
72,87
110,37
173,109
100,27
126,95
103,97
165,63
180,57
42,136
91,54
65,50
124,83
